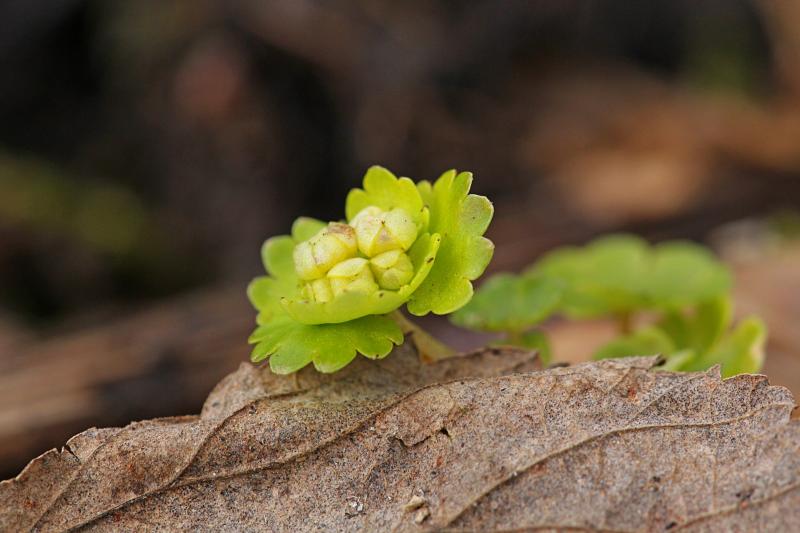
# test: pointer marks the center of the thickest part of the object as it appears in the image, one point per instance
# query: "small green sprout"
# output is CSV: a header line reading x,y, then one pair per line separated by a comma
x,y
679,288
333,290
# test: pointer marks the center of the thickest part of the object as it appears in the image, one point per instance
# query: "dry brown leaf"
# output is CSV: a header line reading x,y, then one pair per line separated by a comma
x,y
483,442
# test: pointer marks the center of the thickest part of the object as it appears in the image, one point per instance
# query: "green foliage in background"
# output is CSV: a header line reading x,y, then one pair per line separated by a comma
x,y
623,274
513,305
105,217
333,290
678,292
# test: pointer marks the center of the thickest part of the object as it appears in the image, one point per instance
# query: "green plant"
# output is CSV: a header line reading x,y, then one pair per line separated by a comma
x,y
671,298
334,290
513,305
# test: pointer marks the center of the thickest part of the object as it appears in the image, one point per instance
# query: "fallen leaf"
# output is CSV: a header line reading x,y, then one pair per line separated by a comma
x,y
489,443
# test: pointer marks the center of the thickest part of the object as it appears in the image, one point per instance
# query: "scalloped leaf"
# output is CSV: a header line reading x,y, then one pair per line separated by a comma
x,y
351,305
461,218
330,347
684,273
607,276
579,298
622,274
266,292
510,303
384,190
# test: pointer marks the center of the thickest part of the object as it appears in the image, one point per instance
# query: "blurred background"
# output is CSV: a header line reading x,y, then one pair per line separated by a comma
x,y
148,147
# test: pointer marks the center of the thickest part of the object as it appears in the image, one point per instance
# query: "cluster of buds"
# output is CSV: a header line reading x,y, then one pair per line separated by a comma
x,y
332,290
364,256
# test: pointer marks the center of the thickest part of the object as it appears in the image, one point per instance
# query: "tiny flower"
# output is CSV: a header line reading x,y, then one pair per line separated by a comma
x,y
352,275
392,269
318,290
379,231
316,256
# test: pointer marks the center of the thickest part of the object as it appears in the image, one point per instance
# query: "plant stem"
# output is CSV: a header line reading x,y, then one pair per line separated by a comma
x,y
625,322
515,338
429,348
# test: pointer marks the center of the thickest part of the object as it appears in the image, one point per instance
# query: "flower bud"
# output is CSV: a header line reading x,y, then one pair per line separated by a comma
x,y
352,275
379,231
333,244
318,290
392,269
